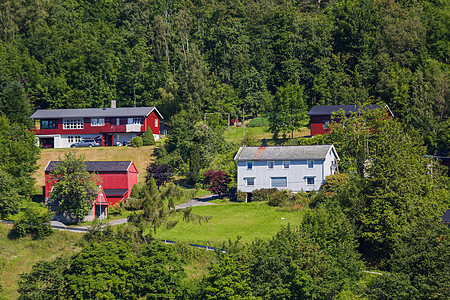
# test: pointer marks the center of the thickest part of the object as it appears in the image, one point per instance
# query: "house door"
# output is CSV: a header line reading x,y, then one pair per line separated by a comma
x,y
109,140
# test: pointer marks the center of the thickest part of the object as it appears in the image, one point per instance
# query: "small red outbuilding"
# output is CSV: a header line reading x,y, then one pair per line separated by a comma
x,y
117,178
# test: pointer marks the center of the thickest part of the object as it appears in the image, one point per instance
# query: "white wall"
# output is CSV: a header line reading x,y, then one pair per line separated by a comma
x,y
296,174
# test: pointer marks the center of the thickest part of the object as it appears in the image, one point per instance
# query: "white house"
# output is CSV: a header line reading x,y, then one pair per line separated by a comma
x,y
296,168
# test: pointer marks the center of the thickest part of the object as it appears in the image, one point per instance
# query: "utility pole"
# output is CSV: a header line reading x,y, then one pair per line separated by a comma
x,y
228,121
243,125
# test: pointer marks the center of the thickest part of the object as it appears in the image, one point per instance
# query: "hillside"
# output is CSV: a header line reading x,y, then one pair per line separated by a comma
x,y
18,256
140,156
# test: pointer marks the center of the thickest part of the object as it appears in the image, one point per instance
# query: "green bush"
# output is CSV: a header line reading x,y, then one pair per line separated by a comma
x,y
148,139
116,209
262,194
241,196
34,222
135,191
259,122
133,204
136,142
279,197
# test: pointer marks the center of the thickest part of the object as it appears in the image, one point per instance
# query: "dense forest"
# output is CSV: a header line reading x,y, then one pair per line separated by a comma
x,y
223,56
373,231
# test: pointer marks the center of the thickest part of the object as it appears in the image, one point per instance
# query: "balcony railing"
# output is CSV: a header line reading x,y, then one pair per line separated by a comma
x,y
133,127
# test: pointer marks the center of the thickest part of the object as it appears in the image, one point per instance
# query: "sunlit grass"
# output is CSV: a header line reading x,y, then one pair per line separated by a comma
x,y
229,221
19,255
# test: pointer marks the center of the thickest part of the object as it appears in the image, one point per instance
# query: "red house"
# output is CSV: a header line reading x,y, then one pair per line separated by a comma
x,y
117,178
321,115
60,128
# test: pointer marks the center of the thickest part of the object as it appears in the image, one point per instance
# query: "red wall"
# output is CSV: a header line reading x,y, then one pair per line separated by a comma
x,y
109,180
150,122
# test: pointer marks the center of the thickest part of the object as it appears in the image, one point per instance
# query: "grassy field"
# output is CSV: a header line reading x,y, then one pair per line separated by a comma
x,y
235,133
247,220
18,256
140,156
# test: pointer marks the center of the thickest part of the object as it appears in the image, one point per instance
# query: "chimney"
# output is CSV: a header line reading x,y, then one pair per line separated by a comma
x,y
113,103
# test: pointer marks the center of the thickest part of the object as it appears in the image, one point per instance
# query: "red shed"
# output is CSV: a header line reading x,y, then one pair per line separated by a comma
x,y
321,115
117,178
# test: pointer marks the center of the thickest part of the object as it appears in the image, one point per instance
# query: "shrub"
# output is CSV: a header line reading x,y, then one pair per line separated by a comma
x,y
34,222
148,139
259,122
217,182
263,194
133,204
136,142
277,198
135,191
116,209
241,196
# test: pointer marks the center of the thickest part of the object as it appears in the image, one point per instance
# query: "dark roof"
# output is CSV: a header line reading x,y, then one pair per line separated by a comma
x,y
446,217
97,166
348,109
115,192
95,112
246,153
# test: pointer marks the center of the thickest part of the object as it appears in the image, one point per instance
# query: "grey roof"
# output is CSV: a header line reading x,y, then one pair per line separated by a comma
x,y
115,192
97,166
320,110
246,153
446,217
94,112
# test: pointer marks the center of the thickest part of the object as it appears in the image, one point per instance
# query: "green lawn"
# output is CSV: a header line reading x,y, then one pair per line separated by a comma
x,y
235,133
247,220
18,256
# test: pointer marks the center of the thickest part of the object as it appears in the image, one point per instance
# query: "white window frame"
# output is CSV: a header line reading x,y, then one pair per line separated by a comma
x,y
97,122
137,121
286,164
249,180
249,165
156,122
117,121
270,164
77,123
313,179
277,186
310,162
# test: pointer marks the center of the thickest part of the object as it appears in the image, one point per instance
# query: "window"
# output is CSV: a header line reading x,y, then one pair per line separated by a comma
x,y
270,165
310,164
250,180
97,121
49,124
156,122
117,121
249,165
74,139
286,164
310,180
137,121
326,125
278,181
73,124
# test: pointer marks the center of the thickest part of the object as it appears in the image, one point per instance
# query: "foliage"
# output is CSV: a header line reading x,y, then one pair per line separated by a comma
x,y
45,281
227,280
263,194
33,222
74,189
241,196
135,191
162,174
148,139
217,182
258,122
288,111
15,104
19,154
10,199
136,142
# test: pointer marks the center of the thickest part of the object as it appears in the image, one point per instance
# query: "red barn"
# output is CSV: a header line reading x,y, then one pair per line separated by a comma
x,y
117,178
321,115
60,128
